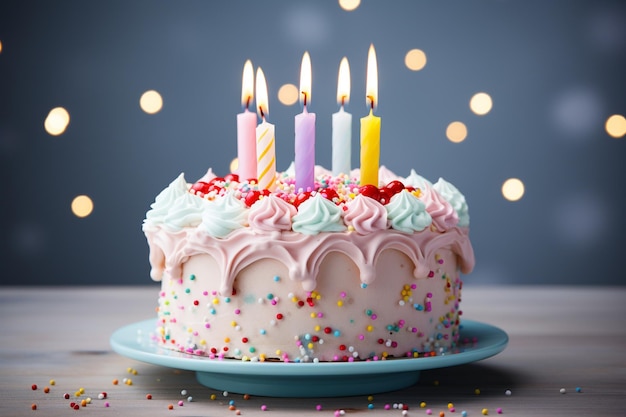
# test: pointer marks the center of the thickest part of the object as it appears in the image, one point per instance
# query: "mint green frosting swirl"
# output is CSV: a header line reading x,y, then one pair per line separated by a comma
x,y
416,180
165,200
316,215
456,200
407,214
223,215
185,212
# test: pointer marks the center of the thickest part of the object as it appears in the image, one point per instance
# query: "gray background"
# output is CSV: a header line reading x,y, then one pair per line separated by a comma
x,y
555,71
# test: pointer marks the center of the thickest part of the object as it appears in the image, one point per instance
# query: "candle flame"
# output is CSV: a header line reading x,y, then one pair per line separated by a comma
x,y
371,86
247,84
305,79
343,85
262,103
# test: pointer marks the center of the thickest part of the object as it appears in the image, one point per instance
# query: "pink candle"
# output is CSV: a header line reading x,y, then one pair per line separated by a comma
x,y
305,133
246,127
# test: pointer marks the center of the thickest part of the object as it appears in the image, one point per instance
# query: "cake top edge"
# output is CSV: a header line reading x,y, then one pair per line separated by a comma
x,y
337,203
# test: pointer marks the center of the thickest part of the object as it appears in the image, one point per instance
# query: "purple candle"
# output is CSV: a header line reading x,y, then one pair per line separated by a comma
x,y
305,132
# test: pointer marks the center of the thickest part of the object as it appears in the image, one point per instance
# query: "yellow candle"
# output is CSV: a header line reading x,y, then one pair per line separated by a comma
x,y
370,126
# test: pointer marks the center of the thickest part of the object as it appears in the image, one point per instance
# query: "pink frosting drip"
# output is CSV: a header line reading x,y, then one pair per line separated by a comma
x,y
271,214
301,254
443,214
365,215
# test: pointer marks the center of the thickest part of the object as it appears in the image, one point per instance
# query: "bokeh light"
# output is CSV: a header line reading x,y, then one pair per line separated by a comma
x,y
151,102
234,165
57,121
616,126
481,103
82,206
456,132
349,5
513,189
0,46
415,59
288,94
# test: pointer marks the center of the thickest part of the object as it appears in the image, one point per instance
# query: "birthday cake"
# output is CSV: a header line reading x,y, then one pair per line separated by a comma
x,y
342,272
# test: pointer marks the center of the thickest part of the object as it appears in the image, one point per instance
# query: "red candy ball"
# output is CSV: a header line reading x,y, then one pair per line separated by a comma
x,y
385,196
200,187
329,194
301,198
232,178
252,197
370,191
394,187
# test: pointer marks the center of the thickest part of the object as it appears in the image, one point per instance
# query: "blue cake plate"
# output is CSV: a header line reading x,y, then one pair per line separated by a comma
x,y
327,379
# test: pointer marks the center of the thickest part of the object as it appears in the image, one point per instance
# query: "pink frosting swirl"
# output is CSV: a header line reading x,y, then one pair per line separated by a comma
x,y
271,214
443,214
365,215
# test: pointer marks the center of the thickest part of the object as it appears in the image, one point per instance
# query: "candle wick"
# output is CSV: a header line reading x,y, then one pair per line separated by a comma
x,y
262,114
248,102
305,95
371,102
343,100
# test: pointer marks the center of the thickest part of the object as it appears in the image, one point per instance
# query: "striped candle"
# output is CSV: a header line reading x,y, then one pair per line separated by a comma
x,y
265,151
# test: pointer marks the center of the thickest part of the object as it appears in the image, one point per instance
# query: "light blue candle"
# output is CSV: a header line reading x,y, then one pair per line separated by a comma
x,y
342,123
304,159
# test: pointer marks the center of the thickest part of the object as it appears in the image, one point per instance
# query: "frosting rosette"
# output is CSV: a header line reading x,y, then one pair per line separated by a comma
x,y
316,215
270,214
365,215
443,215
186,211
456,200
407,214
223,215
165,200
417,181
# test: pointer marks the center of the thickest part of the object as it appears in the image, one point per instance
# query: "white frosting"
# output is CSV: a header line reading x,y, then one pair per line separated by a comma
x,y
186,211
223,215
165,200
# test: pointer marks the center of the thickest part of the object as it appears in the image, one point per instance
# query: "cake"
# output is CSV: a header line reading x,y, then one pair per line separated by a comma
x,y
340,273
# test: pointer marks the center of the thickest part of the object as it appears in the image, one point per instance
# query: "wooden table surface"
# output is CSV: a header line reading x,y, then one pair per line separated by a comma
x,y
570,338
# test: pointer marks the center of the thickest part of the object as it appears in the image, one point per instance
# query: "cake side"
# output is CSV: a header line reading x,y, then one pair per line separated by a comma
x,y
267,312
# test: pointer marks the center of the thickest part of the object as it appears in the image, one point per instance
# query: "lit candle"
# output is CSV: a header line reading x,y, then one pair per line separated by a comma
x,y
342,123
246,125
305,132
370,126
265,151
